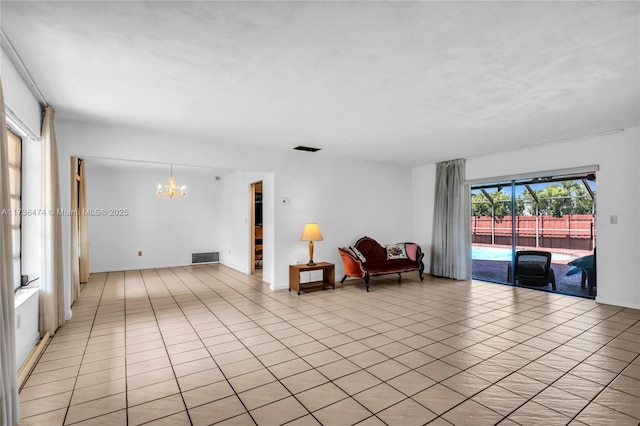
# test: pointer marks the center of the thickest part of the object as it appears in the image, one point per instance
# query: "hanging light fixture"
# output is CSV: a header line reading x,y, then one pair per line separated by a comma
x,y
171,190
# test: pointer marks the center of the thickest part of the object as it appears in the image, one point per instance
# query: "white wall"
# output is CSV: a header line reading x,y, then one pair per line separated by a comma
x,y
618,158
348,198
423,186
18,97
166,231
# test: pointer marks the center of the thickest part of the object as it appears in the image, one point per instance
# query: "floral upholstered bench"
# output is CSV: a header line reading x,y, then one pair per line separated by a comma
x,y
367,258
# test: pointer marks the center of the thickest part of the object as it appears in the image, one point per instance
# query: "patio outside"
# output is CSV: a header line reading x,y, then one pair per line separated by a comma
x,y
568,278
556,215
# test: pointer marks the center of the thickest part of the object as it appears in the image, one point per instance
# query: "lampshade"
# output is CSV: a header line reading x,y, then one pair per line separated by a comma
x,y
311,232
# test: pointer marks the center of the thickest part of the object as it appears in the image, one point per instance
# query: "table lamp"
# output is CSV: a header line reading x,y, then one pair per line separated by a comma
x,y
311,233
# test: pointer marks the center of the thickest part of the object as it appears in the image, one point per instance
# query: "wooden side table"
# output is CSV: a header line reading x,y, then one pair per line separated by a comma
x,y
328,276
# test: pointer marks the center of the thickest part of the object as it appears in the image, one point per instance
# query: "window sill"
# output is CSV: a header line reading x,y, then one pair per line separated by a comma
x,y
23,294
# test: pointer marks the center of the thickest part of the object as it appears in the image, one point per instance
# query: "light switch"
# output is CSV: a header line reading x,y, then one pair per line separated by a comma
x,y
613,219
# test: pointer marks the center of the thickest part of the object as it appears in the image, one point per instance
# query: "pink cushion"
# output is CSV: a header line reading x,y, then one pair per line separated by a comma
x,y
412,251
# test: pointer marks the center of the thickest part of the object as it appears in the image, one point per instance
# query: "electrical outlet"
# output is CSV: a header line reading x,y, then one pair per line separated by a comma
x,y
18,322
140,253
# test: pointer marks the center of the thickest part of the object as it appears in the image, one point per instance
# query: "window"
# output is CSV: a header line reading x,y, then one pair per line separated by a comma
x,y
15,192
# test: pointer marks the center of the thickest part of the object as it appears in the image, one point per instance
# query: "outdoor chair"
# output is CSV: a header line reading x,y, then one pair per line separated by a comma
x,y
586,265
532,268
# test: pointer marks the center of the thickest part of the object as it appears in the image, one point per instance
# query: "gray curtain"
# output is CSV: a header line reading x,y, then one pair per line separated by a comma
x,y
9,405
451,246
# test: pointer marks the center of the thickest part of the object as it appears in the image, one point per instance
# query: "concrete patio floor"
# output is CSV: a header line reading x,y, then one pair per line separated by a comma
x,y
496,271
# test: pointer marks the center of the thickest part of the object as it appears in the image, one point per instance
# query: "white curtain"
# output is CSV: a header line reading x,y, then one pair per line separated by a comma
x,y
83,224
79,228
75,243
451,246
52,285
9,406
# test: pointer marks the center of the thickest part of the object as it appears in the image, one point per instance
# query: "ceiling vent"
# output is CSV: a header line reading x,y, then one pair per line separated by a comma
x,y
306,148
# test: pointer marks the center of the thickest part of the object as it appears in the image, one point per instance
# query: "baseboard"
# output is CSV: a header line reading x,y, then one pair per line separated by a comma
x,y
32,359
619,303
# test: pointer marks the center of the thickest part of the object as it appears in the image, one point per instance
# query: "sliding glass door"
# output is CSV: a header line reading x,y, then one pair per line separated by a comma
x,y
554,214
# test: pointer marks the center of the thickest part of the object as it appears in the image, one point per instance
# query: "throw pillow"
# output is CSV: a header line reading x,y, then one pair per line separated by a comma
x,y
358,254
412,251
396,251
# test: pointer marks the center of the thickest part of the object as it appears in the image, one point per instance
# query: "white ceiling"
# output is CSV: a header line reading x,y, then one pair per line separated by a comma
x,y
404,82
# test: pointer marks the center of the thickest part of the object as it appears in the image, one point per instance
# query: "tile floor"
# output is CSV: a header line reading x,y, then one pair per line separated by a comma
x,y
208,345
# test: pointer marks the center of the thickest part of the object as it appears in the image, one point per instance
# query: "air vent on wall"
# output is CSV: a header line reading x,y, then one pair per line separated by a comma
x,y
205,257
306,148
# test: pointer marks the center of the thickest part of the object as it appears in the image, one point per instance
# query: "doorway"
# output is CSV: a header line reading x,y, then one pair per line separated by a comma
x,y
256,227
554,214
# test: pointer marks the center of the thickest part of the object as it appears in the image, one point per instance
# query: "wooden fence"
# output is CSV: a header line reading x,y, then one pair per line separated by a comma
x,y
575,232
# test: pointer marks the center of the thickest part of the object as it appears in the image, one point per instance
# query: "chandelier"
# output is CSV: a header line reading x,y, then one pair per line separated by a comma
x,y
171,190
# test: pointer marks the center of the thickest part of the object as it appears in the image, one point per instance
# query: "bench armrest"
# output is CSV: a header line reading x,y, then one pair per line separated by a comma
x,y
353,267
